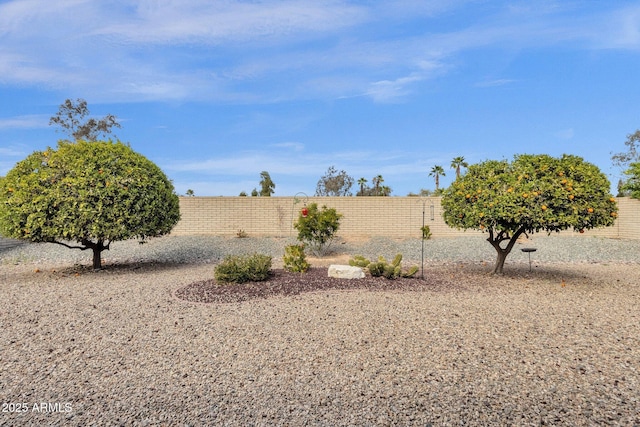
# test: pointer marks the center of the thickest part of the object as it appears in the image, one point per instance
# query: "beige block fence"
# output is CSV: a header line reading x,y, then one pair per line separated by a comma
x,y
398,217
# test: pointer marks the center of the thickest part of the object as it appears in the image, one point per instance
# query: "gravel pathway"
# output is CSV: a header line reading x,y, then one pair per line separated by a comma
x,y
559,345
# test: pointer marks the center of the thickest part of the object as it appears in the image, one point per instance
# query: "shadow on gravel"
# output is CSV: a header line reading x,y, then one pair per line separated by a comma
x,y
6,244
521,271
142,267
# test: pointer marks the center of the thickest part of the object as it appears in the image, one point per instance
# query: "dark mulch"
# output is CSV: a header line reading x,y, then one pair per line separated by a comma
x,y
284,283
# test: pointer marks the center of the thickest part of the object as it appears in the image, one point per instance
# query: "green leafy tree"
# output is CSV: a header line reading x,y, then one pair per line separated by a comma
x,y
622,189
530,194
318,229
385,190
254,193
91,193
632,185
267,186
625,161
436,172
458,163
334,183
71,118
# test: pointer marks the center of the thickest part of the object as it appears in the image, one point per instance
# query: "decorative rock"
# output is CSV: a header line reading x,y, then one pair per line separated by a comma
x,y
345,272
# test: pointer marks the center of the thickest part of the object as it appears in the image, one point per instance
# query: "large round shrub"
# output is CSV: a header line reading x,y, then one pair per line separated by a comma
x,y
92,193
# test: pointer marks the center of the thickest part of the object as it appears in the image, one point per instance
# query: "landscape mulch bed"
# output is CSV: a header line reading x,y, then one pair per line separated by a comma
x,y
285,283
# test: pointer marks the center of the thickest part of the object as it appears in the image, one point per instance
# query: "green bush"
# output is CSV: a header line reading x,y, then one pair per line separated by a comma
x,y
383,268
86,195
295,259
243,268
318,228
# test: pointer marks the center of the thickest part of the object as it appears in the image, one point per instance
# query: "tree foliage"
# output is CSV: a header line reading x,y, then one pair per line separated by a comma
x,y
91,193
376,190
625,158
629,160
531,194
334,183
267,186
71,118
632,185
318,229
377,180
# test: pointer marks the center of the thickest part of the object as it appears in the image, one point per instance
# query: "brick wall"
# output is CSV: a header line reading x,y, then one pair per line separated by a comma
x,y
363,216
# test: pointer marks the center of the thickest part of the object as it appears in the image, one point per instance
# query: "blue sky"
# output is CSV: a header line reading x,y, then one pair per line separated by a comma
x,y
217,91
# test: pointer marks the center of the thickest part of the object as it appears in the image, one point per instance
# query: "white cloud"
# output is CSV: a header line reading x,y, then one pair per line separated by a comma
x,y
300,163
565,134
216,187
392,90
243,164
268,51
24,122
495,82
293,146
620,30
170,21
11,152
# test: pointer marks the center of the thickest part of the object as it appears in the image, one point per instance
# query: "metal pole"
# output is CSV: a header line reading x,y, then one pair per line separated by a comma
x,y
422,270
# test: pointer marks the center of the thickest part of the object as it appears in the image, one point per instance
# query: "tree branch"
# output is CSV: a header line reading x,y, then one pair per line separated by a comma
x,y
82,248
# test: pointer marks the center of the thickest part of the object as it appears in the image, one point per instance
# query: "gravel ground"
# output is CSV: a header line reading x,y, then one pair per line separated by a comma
x,y
211,249
558,345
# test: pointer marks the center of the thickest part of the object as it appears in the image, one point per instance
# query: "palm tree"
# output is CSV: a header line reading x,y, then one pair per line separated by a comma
x,y
436,172
376,182
457,163
362,182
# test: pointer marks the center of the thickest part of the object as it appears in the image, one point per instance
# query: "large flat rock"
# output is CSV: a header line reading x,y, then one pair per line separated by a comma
x,y
345,272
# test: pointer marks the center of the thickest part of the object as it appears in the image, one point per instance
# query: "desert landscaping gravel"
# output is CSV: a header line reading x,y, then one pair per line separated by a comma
x,y
134,345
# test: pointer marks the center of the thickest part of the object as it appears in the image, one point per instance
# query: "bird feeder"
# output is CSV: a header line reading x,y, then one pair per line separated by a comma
x,y
528,251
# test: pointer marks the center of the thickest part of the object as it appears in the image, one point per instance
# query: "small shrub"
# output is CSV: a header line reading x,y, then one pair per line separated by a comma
x,y
426,232
318,228
243,268
241,234
295,259
382,268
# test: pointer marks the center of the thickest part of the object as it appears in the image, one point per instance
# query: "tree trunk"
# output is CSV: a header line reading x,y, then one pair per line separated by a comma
x,y
97,261
502,253
97,249
502,256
